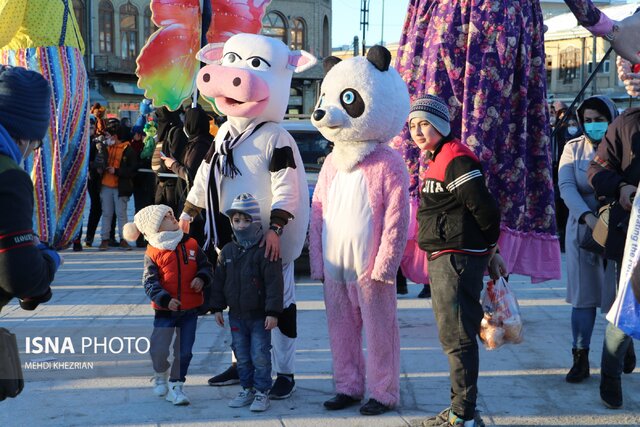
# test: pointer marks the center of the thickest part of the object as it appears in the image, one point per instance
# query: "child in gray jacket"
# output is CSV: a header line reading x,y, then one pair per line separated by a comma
x,y
252,287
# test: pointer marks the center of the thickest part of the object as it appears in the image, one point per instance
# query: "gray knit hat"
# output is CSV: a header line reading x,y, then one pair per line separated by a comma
x,y
247,204
24,103
434,110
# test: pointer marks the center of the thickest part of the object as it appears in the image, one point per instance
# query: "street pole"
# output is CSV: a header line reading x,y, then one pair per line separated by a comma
x,y
382,30
364,23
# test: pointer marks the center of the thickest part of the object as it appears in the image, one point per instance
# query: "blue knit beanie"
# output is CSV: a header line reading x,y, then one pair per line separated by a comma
x,y
434,110
24,103
247,204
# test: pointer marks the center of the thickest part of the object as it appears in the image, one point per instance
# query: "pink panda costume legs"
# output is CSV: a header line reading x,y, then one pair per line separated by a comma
x,y
352,307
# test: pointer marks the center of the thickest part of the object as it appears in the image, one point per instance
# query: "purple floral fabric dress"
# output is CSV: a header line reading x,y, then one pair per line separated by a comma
x,y
486,59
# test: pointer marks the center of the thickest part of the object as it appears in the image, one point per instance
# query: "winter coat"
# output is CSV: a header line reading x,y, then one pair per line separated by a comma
x,y
199,142
588,284
168,274
457,212
248,283
617,161
124,159
25,270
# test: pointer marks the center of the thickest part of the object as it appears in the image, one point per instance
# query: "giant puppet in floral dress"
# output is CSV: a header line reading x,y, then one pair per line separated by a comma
x,y
486,59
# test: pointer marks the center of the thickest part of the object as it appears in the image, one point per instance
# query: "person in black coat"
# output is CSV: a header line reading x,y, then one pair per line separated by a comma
x,y
27,266
199,140
172,141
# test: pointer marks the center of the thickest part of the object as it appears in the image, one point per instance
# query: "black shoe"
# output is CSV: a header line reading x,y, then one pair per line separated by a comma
x,y
77,246
425,292
228,377
88,243
340,401
283,387
401,284
373,407
611,391
629,359
113,243
31,303
580,369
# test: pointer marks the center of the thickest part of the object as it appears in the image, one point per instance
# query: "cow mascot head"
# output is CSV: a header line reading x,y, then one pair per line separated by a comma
x,y
249,76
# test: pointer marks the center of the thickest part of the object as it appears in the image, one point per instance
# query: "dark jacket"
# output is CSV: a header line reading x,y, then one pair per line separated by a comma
x,y
457,212
196,126
247,282
25,270
617,162
168,274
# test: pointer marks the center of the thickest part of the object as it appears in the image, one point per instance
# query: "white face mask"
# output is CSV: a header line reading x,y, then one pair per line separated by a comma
x,y
572,130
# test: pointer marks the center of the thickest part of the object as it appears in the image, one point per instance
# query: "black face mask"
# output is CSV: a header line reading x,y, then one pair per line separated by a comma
x,y
249,236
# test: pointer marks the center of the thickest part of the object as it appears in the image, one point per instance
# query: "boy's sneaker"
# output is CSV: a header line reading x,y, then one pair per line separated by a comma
x,y
244,398
260,402
283,387
443,419
175,394
160,387
228,377
104,245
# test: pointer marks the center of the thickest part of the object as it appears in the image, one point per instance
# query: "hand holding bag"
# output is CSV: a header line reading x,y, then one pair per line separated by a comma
x,y
587,242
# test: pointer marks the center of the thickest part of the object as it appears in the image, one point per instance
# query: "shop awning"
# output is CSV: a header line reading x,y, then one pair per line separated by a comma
x,y
96,96
126,88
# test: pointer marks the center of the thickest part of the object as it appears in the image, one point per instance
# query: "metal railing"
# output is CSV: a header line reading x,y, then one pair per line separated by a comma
x,y
113,64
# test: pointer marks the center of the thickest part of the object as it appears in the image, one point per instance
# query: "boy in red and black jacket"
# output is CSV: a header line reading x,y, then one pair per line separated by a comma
x,y
175,272
459,226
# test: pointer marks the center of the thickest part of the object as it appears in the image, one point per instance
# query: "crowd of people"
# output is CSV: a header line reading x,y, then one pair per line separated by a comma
x,y
120,166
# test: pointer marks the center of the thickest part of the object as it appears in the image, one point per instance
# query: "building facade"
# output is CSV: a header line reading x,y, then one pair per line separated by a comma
x,y
572,55
115,30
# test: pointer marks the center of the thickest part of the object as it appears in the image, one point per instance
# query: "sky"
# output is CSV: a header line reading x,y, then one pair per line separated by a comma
x,y
346,21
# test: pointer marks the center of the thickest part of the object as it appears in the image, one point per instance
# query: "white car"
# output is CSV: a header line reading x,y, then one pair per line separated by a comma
x,y
313,149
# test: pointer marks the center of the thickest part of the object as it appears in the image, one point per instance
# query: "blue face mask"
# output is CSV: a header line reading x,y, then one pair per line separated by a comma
x,y
596,130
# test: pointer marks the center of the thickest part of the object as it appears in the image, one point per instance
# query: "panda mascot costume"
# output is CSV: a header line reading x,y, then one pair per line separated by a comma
x,y
359,222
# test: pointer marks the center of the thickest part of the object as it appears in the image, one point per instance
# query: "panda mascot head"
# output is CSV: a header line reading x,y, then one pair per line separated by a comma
x,y
362,103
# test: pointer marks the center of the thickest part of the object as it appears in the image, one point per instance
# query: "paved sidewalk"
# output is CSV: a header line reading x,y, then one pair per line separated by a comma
x,y
98,297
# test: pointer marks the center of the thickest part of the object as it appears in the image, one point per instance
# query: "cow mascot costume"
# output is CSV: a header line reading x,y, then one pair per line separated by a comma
x,y
249,77
360,215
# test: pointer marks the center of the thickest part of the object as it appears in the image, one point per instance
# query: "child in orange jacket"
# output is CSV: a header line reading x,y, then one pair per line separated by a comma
x,y
175,272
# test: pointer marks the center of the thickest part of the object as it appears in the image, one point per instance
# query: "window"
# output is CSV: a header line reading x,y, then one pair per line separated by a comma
x,y
326,48
149,26
297,34
105,26
569,60
273,26
78,11
549,65
605,68
129,31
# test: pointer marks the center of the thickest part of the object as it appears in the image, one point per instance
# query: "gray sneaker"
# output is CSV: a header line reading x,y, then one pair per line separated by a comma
x,y
442,419
260,403
244,398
